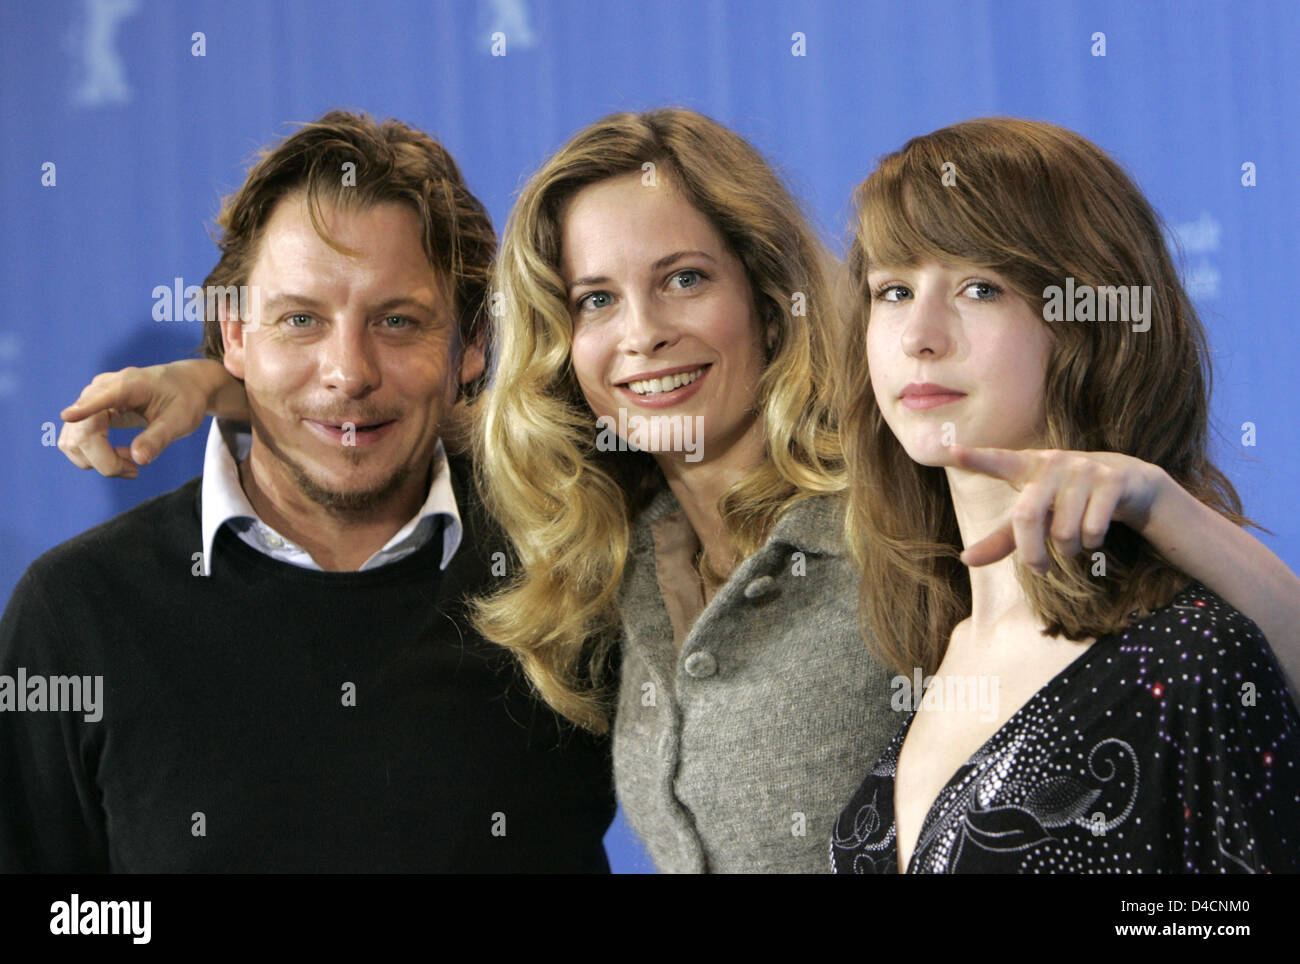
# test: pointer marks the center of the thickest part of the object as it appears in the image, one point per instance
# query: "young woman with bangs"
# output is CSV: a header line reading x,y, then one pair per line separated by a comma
x,y
1141,723
659,444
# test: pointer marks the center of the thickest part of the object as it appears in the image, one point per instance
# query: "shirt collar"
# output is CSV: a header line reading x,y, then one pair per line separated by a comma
x,y
813,524
223,501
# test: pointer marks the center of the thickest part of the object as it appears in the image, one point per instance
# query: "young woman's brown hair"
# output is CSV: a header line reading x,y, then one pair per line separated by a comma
x,y
1039,205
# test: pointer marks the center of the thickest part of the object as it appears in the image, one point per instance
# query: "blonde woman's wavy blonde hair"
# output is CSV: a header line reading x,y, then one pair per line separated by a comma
x,y
567,508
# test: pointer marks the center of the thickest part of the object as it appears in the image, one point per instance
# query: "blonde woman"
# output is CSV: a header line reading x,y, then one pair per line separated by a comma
x,y
1139,721
658,280
657,442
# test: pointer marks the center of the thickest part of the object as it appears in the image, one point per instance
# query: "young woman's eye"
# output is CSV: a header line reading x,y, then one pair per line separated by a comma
x,y
594,301
891,292
688,278
983,290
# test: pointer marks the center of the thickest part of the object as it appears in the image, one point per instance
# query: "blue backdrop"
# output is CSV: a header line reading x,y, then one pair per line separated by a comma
x,y
149,112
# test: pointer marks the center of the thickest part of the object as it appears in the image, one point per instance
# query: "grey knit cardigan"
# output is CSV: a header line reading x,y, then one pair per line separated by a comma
x,y
738,754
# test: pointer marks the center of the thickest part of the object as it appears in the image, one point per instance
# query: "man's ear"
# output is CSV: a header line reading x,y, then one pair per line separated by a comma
x,y
472,361
771,334
232,340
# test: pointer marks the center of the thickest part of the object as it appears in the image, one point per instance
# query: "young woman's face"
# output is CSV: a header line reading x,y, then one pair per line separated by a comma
x,y
664,326
955,356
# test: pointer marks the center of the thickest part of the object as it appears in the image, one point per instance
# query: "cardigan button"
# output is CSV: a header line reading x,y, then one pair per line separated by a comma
x,y
760,587
701,665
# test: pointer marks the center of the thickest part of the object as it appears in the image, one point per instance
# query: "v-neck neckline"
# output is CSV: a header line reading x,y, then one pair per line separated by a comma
x,y
1043,691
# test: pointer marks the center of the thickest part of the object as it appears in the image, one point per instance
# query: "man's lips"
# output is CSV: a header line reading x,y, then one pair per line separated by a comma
x,y
350,433
927,395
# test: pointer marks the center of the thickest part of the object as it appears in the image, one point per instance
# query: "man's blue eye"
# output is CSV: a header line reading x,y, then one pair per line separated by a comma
x,y
294,318
402,322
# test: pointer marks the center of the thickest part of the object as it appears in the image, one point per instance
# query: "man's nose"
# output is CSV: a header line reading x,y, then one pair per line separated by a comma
x,y
349,364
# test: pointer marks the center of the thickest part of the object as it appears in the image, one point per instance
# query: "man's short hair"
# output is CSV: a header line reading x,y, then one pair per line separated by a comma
x,y
351,160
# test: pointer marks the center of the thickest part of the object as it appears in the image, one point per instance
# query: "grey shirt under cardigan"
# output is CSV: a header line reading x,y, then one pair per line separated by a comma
x,y
738,754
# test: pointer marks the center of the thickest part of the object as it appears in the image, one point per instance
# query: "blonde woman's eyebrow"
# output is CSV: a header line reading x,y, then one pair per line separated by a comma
x,y
588,281
664,262
670,259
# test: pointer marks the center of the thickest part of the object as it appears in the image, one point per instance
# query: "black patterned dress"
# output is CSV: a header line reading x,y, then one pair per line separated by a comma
x,y
1170,747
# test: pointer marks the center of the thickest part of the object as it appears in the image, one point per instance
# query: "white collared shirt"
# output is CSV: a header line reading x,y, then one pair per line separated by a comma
x,y
224,502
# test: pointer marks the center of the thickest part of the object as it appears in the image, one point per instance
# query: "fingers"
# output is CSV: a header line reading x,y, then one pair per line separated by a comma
x,y
1029,524
998,545
1006,464
1072,503
121,390
161,432
116,400
126,467
105,459
1067,512
1102,506
70,443
1086,504
86,445
1069,498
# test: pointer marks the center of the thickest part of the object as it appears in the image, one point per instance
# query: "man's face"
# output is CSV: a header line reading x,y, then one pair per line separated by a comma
x,y
351,361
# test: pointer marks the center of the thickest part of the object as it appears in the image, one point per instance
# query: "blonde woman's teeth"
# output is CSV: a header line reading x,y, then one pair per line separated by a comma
x,y
657,386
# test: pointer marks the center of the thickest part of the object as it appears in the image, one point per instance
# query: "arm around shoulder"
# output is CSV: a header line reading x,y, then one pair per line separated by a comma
x,y
1237,750
1227,559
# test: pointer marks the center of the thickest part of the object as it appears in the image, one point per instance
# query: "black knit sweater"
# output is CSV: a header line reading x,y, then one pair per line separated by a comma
x,y
274,718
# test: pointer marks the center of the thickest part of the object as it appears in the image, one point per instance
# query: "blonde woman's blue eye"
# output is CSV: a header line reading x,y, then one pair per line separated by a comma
x,y
597,299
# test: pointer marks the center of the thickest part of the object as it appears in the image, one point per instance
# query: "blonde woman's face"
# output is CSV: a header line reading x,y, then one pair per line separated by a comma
x,y
956,356
666,342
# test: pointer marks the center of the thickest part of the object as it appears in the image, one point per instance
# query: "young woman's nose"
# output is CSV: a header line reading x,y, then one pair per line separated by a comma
x,y
928,329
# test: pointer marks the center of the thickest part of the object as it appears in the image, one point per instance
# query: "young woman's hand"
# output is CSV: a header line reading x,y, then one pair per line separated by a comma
x,y
170,400
1070,498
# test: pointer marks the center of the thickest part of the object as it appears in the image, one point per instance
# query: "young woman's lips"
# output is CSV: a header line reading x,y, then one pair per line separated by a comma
x,y
925,396
361,436
664,399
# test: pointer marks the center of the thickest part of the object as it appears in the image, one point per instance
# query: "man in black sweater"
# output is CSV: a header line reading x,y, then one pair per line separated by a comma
x,y
271,668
